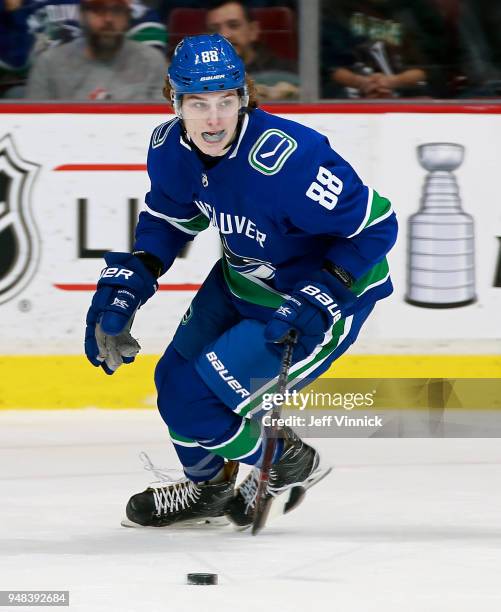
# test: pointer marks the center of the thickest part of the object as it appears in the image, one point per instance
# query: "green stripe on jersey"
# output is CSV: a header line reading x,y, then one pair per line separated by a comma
x,y
373,277
181,440
242,444
379,207
196,224
250,291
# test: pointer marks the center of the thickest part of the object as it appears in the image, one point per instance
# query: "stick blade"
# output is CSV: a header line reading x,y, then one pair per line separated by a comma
x,y
261,516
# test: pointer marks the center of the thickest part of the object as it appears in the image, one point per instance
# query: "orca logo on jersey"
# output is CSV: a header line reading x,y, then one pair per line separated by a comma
x,y
248,265
19,240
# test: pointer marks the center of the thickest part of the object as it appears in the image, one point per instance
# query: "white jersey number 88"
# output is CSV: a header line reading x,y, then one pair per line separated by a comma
x,y
209,56
333,187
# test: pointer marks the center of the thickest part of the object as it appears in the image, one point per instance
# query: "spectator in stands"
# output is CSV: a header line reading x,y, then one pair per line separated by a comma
x,y
381,48
54,22
15,45
479,30
29,27
164,7
276,78
103,65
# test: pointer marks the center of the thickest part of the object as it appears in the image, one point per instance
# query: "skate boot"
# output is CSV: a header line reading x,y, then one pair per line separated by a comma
x,y
295,471
181,502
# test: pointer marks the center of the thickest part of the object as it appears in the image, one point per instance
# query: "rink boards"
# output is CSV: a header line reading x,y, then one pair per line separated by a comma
x,y
73,181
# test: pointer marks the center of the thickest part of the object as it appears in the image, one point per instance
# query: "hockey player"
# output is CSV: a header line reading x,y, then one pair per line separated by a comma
x,y
304,244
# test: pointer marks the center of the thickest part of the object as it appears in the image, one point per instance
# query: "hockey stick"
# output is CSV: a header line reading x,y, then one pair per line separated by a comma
x,y
262,504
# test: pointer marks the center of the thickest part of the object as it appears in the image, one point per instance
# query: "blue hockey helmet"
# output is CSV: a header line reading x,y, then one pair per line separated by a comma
x,y
203,64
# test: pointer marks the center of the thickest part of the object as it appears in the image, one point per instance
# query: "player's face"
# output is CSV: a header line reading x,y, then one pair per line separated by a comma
x,y
211,119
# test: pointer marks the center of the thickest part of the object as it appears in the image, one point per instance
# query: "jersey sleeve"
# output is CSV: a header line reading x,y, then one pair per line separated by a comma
x,y
326,197
169,218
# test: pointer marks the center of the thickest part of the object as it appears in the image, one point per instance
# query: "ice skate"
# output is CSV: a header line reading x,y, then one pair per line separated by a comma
x,y
290,477
181,502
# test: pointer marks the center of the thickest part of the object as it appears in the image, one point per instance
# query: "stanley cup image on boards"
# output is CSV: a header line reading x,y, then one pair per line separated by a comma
x,y
440,242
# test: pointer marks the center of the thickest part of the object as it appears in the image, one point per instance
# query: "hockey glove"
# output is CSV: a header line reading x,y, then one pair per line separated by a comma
x,y
311,310
124,285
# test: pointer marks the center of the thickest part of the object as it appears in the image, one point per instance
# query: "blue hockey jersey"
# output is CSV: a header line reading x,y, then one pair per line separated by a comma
x,y
283,202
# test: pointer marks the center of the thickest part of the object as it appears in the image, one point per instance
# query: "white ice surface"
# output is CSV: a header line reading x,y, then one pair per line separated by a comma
x,y
400,525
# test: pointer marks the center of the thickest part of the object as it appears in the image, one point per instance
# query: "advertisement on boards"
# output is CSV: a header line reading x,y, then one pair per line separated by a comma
x,y
72,187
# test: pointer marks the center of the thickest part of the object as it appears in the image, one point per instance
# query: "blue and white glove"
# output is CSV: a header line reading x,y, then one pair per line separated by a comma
x,y
311,310
124,285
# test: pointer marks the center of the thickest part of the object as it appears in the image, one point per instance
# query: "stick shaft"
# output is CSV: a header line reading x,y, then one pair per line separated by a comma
x,y
262,509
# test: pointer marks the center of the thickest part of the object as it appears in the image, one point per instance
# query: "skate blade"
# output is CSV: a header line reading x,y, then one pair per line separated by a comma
x,y
279,505
316,476
201,523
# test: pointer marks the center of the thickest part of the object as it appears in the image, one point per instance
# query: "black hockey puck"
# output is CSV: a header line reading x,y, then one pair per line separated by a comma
x,y
201,578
